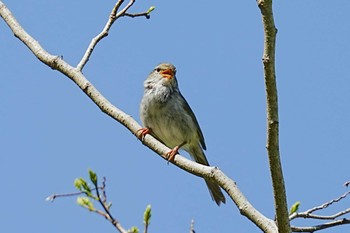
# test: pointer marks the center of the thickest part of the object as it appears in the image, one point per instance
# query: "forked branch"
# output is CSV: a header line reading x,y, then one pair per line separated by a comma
x,y
309,214
114,15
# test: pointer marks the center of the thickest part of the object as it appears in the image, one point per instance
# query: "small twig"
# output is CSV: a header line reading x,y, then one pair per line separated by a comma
x,y
123,11
101,199
100,36
145,14
114,15
325,205
146,228
192,227
321,226
322,217
308,214
107,214
103,189
346,184
54,196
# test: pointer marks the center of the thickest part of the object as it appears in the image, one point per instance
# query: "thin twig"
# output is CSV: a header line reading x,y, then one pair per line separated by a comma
x,y
54,196
323,217
321,226
192,227
100,36
107,214
103,188
114,15
145,14
325,205
307,213
146,228
346,184
123,11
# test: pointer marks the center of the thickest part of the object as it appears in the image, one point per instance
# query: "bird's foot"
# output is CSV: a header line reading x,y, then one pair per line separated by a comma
x,y
171,154
141,133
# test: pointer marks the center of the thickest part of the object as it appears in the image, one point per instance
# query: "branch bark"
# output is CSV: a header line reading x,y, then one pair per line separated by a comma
x,y
272,145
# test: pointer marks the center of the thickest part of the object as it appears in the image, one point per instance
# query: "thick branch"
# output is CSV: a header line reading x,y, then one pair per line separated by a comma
x,y
272,116
265,224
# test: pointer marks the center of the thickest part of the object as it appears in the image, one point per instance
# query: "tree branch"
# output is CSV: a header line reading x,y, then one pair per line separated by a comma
x,y
103,202
322,226
272,145
327,204
308,215
114,15
52,197
86,202
57,63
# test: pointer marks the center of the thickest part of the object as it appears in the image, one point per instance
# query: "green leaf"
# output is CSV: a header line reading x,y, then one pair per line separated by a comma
x,y
134,230
294,208
147,215
93,177
86,187
85,202
78,183
82,186
151,9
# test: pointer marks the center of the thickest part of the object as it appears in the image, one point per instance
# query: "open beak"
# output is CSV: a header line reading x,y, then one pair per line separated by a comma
x,y
169,74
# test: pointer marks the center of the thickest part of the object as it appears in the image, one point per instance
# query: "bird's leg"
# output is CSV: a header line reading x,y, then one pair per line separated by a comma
x,y
171,154
141,133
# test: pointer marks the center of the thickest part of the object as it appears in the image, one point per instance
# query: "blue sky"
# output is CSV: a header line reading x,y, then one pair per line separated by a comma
x,y
51,133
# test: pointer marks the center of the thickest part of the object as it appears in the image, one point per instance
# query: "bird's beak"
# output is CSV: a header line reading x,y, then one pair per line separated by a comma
x,y
169,74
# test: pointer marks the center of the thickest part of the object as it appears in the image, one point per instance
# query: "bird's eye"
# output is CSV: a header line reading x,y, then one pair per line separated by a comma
x,y
158,69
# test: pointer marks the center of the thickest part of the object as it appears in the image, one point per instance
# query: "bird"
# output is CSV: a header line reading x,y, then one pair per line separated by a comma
x,y
167,116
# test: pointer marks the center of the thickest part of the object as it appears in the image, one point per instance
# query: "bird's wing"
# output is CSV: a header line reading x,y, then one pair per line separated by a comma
x,y
188,109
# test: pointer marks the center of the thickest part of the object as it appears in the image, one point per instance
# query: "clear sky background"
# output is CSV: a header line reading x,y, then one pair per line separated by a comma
x,y
51,133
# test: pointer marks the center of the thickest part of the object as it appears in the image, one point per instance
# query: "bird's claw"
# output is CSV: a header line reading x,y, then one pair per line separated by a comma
x,y
171,154
141,133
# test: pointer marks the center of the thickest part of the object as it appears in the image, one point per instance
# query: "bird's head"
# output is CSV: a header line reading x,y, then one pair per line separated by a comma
x,y
164,74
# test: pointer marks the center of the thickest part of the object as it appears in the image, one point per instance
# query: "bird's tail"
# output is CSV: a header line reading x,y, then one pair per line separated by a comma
x,y
214,189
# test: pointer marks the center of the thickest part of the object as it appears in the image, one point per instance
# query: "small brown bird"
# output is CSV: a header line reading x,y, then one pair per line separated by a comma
x,y
166,115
